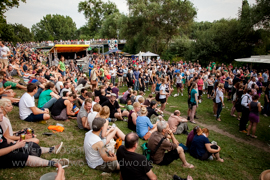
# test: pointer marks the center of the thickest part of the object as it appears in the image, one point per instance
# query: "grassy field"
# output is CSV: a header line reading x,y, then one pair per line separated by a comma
x,y
242,160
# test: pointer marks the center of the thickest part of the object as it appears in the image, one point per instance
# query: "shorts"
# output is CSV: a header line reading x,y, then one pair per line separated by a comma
x,y
102,78
9,83
13,159
200,92
190,106
179,85
120,79
169,157
63,73
162,101
62,116
34,118
108,166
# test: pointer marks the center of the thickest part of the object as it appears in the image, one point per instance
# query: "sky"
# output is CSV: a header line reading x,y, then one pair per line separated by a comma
x,y
32,11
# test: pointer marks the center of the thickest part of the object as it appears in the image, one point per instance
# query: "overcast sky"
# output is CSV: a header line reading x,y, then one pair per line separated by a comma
x,y
32,12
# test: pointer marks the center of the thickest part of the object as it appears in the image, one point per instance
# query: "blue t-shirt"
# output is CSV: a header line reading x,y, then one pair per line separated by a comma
x,y
197,148
158,87
136,74
142,124
91,67
192,95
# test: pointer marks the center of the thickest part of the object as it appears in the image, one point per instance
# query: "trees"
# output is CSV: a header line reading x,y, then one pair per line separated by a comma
x,y
54,27
152,24
95,11
21,33
5,5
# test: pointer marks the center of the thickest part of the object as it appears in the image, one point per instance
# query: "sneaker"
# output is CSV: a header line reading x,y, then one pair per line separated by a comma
x,y
125,119
182,94
178,94
57,148
63,162
244,131
265,115
175,95
211,158
113,119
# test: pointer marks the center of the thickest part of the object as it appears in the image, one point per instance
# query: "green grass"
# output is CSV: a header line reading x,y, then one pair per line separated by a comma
x,y
242,161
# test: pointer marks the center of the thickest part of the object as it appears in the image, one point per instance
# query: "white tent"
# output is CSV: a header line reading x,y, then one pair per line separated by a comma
x,y
149,54
255,59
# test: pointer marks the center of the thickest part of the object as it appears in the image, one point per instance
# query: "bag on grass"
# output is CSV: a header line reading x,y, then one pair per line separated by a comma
x,y
56,128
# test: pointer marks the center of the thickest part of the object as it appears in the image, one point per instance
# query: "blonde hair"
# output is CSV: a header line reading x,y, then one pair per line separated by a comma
x,y
4,102
136,104
143,111
105,112
97,107
141,99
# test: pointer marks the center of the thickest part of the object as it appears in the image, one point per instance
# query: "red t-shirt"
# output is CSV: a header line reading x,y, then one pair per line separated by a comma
x,y
200,82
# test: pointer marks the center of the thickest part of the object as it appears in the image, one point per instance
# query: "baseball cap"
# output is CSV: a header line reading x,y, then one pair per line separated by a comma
x,y
113,94
98,123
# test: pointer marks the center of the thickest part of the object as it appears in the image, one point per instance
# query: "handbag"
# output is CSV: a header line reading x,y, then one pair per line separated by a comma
x,y
147,135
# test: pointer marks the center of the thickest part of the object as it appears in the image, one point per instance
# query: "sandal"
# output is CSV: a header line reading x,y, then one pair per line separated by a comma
x,y
233,115
190,166
238,119
193,122
218,119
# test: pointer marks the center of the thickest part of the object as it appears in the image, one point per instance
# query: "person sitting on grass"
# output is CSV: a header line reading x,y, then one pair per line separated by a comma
x,y
62,108
127,157
93,113
111,132
96,155
144,127
16,154
83,114
48,97
115,111
6,106
177,124
202,149
133,114
174,151
27,108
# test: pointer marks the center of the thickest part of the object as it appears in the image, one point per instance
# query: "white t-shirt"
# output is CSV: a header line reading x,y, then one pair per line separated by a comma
x,y
90,118
219,94
163,89
179,79
58,84
25,103
137,98
6,124
3,51
250,84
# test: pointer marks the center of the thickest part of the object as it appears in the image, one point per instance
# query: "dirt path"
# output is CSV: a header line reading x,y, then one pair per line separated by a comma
x,y
253,142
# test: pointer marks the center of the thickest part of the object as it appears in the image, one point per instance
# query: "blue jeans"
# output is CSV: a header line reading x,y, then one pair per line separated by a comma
x,y
266,109
136,85
219,109
50,103
36,96
113,79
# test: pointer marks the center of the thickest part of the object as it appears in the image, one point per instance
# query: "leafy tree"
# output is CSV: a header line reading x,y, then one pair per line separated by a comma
x,y
5,5
21,33
54,27
111,25
95,11
153,24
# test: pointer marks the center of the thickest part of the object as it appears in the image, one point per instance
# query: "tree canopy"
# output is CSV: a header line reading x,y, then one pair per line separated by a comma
x,y
54,27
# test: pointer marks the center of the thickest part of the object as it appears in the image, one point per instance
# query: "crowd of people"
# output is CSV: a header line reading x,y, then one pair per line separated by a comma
x,y
64,93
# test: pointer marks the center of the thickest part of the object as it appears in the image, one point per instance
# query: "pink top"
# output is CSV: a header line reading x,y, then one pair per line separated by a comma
x,y
200,84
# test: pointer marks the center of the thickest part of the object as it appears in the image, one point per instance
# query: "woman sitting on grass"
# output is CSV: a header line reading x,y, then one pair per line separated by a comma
x,y
255,108
202,149
144,127
6,106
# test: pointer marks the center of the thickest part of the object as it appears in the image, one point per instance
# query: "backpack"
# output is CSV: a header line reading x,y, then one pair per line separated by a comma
x,y
147,152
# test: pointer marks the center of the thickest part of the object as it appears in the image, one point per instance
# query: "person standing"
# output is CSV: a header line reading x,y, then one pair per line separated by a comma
x,y
246,100
61,66
4,54
193,102
219,100
255,108
136,74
